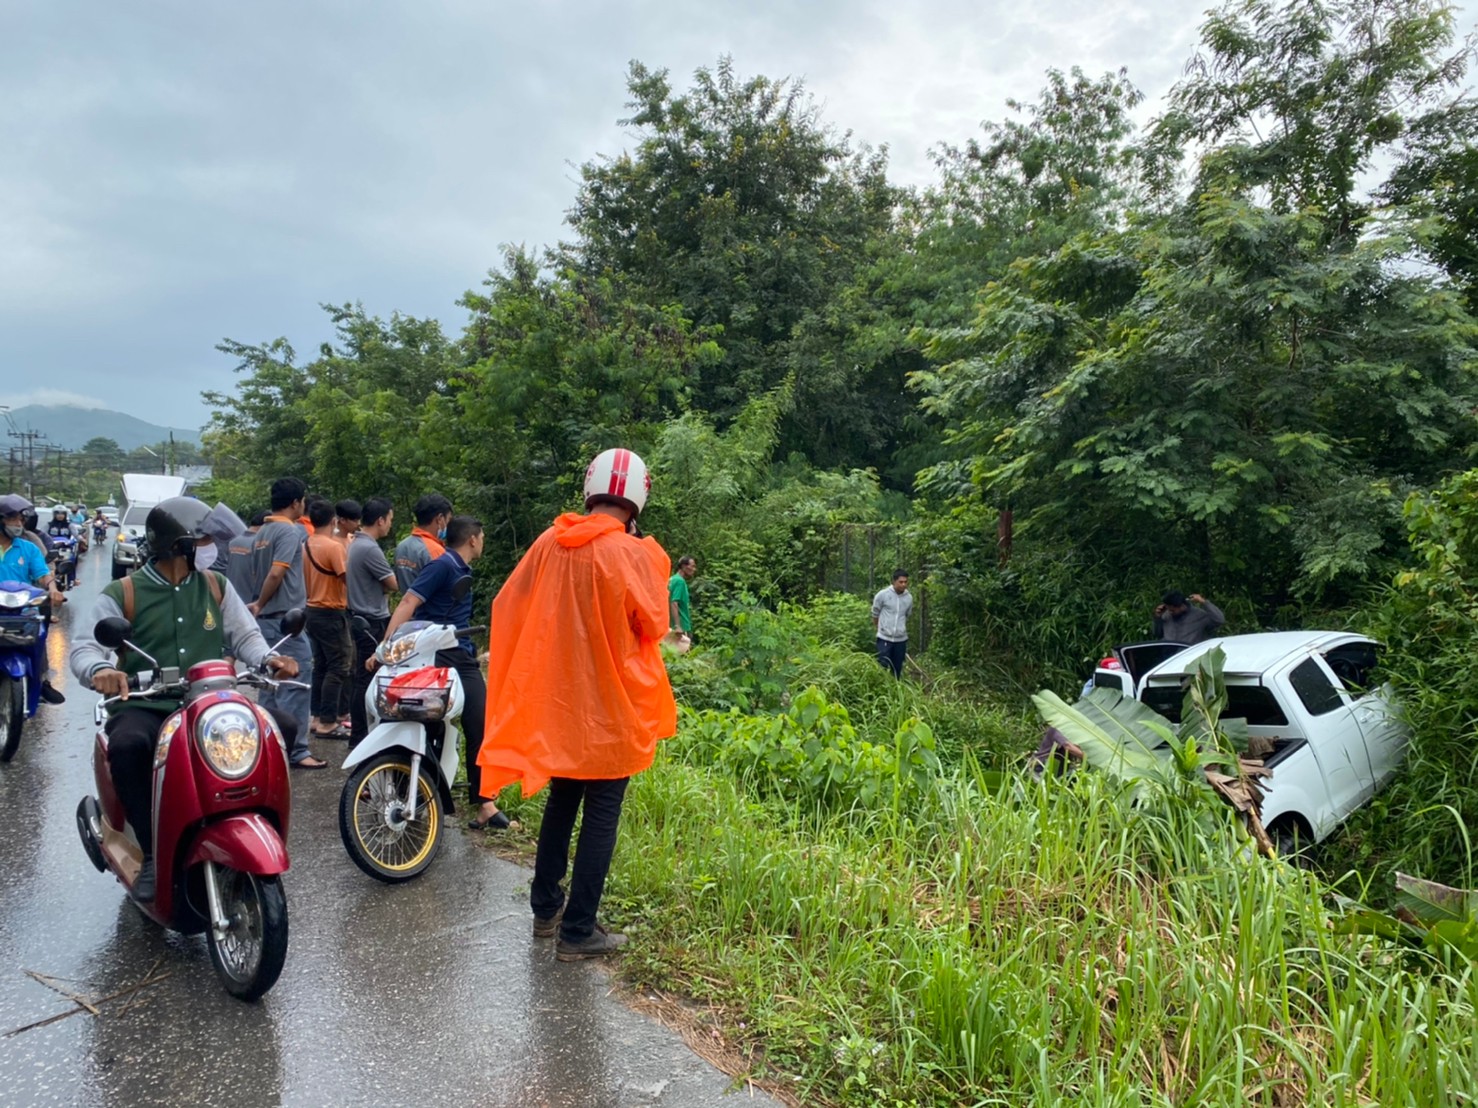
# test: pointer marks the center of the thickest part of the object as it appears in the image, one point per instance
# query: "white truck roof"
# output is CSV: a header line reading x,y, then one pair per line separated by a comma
x,y
1255,653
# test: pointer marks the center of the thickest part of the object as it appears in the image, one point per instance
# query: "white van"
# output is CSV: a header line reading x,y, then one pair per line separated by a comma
x,y
141,491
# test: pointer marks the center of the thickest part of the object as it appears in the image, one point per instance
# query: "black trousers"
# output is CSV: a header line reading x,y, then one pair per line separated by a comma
x,y
474,711
602,801
364,648
132,735
891,655
333,655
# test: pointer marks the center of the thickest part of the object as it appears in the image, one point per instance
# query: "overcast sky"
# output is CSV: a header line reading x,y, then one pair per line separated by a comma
x,y
173,172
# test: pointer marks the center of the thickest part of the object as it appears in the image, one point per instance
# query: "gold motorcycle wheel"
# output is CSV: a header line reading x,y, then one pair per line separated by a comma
x,y
372,822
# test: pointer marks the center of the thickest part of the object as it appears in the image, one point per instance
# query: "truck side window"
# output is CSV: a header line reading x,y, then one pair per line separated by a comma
x,y
1354,664
1314,689
1108,681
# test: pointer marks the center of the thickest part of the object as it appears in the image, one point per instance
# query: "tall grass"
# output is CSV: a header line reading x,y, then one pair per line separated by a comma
x,y
1049,944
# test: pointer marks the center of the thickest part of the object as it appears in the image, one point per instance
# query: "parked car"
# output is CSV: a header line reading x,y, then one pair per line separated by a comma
x,y
1317,696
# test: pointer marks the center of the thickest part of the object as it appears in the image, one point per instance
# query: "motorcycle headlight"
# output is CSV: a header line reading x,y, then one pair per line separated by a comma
x,y
397,650
229,739
14,599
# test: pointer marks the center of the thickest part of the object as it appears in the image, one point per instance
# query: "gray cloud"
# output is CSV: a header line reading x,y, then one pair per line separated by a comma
x,y
177,172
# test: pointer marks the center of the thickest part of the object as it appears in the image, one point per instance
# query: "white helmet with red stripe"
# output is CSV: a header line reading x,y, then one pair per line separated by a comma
x,y
618,476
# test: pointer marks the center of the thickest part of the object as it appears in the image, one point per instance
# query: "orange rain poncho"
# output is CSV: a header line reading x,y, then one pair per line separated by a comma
x,y
576,683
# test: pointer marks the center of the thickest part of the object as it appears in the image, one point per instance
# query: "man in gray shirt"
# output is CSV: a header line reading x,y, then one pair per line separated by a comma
x,y
890,609
278,558
423,545
1177,621
240,562
370,580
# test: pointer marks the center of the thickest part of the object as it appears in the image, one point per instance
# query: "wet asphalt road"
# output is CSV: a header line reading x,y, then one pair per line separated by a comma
x,y
428,993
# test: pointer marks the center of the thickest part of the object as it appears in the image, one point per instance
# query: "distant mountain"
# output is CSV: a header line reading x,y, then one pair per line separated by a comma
x,y
71,427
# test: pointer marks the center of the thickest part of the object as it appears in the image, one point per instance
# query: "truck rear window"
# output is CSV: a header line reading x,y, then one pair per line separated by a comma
x,y
1254,703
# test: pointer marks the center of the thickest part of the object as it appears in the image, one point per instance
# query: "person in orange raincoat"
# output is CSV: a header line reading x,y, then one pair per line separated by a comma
x,y
577,691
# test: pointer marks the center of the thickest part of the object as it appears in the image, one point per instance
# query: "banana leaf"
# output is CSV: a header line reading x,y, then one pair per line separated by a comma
x,y
1118,736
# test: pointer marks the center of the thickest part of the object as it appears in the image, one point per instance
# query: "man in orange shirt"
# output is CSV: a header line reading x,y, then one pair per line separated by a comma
x,y
577,690
325,562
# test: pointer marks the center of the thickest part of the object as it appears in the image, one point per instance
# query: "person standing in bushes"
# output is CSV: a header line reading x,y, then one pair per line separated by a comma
x,y
1177,621
890,609
577,692
681,616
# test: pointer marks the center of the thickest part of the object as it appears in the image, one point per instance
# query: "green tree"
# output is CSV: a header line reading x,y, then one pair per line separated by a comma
x,y
741,206
1248,384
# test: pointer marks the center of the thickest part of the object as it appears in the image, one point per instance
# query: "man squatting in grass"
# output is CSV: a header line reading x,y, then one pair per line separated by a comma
x,y
577,690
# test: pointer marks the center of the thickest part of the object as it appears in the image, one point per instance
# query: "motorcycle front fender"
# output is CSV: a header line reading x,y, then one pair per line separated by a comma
x,y
402,735
247,843
17,665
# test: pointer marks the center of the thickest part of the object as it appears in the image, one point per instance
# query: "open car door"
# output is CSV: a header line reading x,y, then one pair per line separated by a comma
x,y
1135,660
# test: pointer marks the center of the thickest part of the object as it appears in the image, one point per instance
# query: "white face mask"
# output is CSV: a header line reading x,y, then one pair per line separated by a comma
x,y
205,557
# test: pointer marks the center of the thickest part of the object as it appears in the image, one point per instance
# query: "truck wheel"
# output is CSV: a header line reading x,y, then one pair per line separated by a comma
x,y
1293,843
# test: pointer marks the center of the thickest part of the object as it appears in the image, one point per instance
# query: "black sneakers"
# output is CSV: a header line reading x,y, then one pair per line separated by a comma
x,y
143,885
50,694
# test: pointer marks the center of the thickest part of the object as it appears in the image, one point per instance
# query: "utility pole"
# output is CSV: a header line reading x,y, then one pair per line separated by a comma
x,y
28,450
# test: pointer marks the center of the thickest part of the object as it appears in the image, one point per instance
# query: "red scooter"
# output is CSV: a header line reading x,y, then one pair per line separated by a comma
x,y
221,806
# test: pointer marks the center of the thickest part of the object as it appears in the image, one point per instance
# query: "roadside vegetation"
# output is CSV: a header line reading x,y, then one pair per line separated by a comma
x,y
1231,351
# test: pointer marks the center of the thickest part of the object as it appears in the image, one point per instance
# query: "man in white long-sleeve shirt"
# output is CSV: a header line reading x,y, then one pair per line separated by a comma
x,y
890,609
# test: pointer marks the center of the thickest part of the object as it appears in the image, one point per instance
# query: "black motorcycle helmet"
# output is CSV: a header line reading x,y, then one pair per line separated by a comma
x,y
174,525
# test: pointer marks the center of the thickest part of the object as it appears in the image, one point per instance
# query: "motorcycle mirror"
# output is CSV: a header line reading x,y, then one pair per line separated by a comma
x,y
293,621
462,587
359,623
112,632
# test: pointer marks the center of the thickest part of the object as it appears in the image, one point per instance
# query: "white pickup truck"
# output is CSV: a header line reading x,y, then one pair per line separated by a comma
x,y
141,491
1315,695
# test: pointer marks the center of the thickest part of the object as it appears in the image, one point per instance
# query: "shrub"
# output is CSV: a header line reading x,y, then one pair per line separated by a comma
x,y
812,756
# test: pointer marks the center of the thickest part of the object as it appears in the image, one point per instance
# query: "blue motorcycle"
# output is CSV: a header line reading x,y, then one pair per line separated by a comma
x,y
22,650
64,552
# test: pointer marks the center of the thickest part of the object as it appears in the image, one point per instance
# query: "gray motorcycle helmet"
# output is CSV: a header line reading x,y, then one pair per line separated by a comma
x,y
174,525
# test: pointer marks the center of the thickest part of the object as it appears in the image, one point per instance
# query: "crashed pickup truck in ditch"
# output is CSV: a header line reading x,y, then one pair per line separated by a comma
x,y
1316,697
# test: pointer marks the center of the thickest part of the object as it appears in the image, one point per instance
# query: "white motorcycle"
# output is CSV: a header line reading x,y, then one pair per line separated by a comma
x,y
399,790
